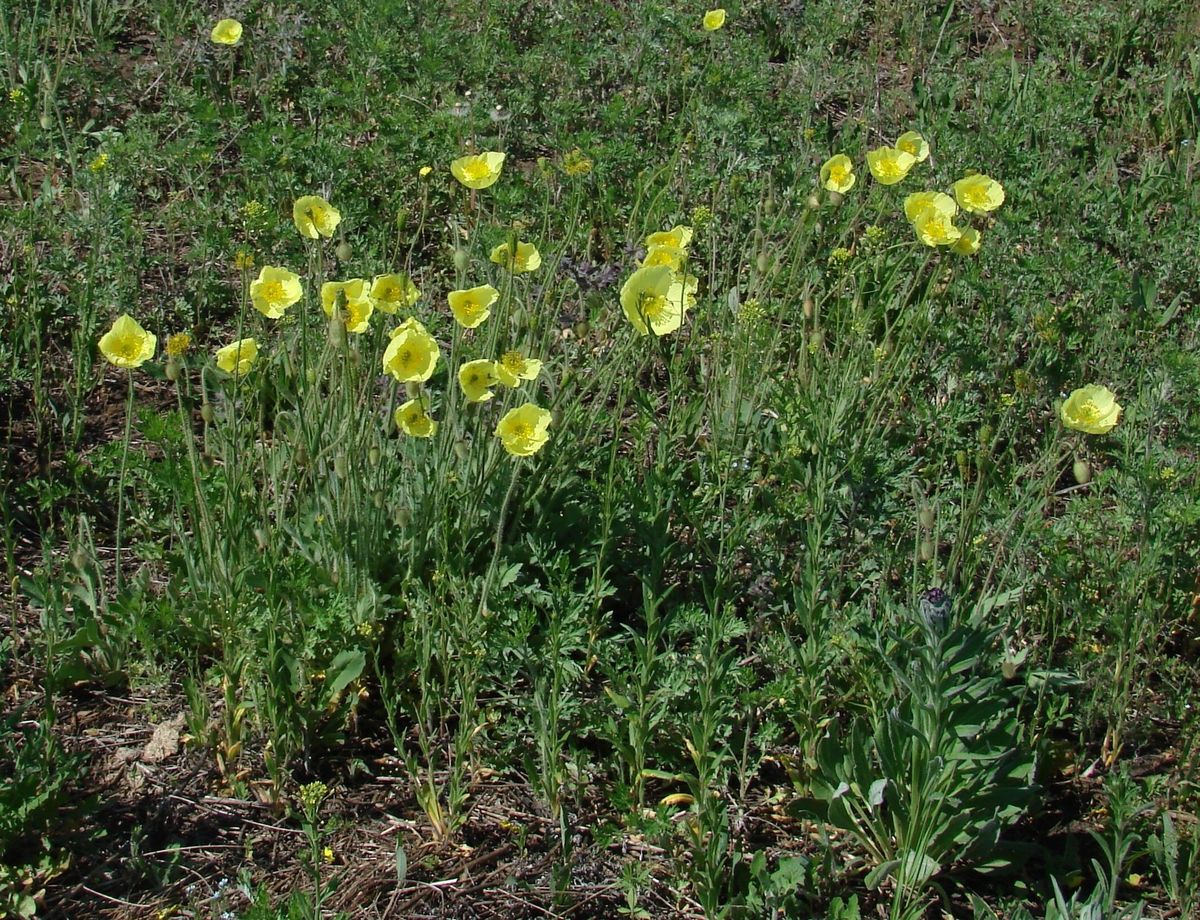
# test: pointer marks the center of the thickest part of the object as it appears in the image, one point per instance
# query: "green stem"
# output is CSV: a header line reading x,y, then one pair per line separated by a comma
x,y
121,482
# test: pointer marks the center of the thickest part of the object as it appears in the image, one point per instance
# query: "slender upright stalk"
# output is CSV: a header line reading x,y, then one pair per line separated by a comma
x,y
121,481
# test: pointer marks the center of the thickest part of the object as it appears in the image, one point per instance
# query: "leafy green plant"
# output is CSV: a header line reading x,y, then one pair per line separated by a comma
x,y
932,782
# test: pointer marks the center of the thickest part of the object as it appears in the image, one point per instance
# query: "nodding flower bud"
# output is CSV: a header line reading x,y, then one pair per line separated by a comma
x,y
402,517
206,413
813,202
461,260
374,455
173,369
1082,472
926,517
412,389
461,449
339,466
343,251
337,325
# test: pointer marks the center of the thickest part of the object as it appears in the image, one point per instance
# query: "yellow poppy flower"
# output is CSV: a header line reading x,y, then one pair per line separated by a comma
x,y
315,217
391,292
413,419
479,170
472,306
358,306
837,174
979,194
127,344
679,236
227,32
1092,409
968,244
477,379
424,171
713,20
670,256
411,354
915,203
889,165
514,367
411,323
656,299
524,430
935,228
912,143
274,290
528,259
238,357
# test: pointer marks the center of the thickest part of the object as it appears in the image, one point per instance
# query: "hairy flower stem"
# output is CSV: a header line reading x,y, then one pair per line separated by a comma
x,y
121,481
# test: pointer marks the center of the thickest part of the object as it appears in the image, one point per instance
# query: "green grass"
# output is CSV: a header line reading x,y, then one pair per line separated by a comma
x,y
677,662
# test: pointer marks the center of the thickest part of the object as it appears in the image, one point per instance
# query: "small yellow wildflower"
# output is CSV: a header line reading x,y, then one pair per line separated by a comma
x,y
670,256
577,163
477,379
413,419
243,260
358,305
979,194
314,216
478,171
227,32
238,357
524,430
702,216
1092,409
713,20
1167,473
837,174
274,290
411,354
178,344
679,236
472,306
312,795
513,367
655,299
968,244
327,854
391,292
127,344
527,259
99,163
889,165
424,171
912,142
16,94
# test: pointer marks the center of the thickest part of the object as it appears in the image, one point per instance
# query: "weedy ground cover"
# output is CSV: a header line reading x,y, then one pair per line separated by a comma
x,y
599,460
